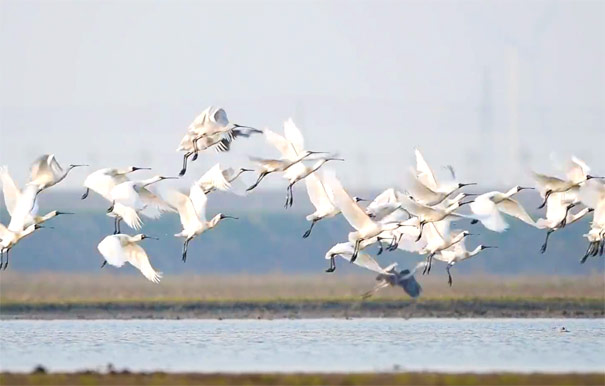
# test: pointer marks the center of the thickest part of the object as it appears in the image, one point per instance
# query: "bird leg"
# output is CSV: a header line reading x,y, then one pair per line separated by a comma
x,y
104,263
332,265
308,232
115,226
548,193
184,169
288,196
427,266
260,178
589,252
420,233
449,275
602,248
395,243
6,262
356,250
543,249
1,257
85,193
185,245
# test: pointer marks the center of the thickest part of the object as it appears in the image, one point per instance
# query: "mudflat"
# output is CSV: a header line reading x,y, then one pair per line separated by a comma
x,y
425,378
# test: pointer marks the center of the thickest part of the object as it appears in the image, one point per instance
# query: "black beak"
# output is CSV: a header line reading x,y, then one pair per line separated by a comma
x,y
469,184
247,127
246,170
168,178
77,165
231,217
488,247
588,177
135,168
85,194
58,213
149,237
334,159
466,202
525,188
470,194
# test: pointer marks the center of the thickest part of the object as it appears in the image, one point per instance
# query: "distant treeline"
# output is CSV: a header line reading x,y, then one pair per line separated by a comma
x,y
267,239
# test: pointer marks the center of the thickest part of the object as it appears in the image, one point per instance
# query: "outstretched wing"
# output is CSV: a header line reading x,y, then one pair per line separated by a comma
x,y
281,144
424,173
577,170
214,178
294,136
183,204
138,258
10,190
317,193
513,208
111,249
343,201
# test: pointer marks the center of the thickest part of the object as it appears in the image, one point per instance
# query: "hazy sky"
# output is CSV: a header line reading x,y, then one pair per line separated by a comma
x,y
494,87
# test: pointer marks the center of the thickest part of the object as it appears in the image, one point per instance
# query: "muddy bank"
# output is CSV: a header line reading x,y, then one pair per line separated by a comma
x,y
455,308
127,378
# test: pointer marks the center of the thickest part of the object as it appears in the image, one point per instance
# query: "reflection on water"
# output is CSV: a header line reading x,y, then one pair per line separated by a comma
x,y
322,345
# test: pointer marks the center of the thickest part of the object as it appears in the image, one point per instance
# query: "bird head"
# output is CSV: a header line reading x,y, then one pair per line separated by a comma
x,y
135,168
359,199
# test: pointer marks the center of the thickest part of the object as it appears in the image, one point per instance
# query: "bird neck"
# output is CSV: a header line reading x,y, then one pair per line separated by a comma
x,y
214,221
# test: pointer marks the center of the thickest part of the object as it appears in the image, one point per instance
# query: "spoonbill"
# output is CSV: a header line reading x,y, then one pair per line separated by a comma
x,y
577,173
558,215
12,196
293,175
211,128
121,248
456,254
345,250
131,197
102,181
221,179
592,195
425,186
487,208
268,166
427,214
192,212
439,243
365,227
8,239
45,171
404,279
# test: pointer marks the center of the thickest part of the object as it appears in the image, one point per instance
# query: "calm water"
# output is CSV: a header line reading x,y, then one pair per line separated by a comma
x,y
305,345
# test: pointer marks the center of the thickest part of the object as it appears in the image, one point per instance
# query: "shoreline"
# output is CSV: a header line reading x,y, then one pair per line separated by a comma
x,y
414,378
307,309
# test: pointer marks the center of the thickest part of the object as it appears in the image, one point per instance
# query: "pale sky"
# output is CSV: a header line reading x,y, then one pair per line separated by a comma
x,y
494,88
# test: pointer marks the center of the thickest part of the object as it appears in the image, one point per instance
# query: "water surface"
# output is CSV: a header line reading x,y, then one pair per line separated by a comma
x,y
321,345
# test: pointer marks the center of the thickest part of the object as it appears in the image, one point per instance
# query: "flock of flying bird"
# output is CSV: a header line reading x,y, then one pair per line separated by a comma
x,y
415,220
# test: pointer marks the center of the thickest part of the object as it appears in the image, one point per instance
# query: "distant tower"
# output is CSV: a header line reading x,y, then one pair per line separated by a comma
x,y
486,134
514,155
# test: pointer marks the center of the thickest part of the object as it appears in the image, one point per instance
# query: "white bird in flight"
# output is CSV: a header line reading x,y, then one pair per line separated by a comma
x,y
121,248
365,227
192,212
577,173
133,197
488,209
217,178
456,254
102,181
8,239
